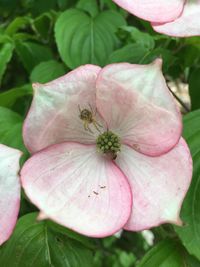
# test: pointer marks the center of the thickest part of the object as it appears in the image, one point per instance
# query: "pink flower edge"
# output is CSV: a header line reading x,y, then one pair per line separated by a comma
x,y
188,24
178,18
9,190
153,10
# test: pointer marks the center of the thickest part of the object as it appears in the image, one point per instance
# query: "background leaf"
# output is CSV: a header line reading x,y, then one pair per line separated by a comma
x,y
42,244
168,254
16,24
47,71
6,51
31,54
132,53
43,25
194,88
165,54
142,38
89,6
82,39
190,214
9,97
11,129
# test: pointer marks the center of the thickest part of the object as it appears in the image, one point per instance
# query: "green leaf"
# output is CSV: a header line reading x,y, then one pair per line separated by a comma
x,y
194,41
8,6
89,6
71,234
194,88
126,259
132,53
168,253
4,38
191,261
190,213
11,129
6,51
44,24
8,98
16,24
63,4
165,54
47,71
108,4
31,54
22,36
118,258
142,38
189,55
37,7
82,39
41,244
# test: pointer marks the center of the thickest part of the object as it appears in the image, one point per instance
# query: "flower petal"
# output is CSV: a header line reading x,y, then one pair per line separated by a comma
x,y
54,113
136,104
159,185
188,24
77,187
153,10
9,190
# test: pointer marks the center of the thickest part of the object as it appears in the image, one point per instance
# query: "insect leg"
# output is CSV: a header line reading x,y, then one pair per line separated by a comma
x,y
86,126
96,125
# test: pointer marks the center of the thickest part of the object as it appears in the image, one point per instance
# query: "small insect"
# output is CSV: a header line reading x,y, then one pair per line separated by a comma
x,y
102,187
111,155
88,117
114,156
95,193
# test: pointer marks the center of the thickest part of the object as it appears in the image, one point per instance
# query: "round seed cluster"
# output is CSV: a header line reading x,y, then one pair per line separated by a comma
x,y
108,142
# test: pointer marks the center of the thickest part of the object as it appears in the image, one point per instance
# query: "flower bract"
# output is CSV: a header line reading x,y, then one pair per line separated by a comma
x,y
9,190
175,17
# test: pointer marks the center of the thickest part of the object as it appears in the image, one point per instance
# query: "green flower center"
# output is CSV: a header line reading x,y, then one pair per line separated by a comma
x,y
108,143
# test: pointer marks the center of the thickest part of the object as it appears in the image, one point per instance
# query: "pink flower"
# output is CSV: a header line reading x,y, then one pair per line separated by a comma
x,y
9,190
175,18
107,152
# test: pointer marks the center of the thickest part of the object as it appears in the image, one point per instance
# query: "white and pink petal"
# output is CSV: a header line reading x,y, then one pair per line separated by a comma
x,y
78,188
54,113
135,102
9,190
159,185
153,10
187,24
